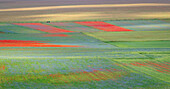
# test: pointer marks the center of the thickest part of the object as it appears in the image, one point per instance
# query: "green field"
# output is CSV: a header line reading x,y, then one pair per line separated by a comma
x,y
142,44
132,36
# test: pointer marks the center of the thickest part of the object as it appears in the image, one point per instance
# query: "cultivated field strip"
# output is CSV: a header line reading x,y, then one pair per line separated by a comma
x,y
10,28
103,26
42,27
78,39
142,25
131,36
142,44
74,27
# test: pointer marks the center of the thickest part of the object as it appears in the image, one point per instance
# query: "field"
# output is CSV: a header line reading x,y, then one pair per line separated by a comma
x,y
129,54
84,44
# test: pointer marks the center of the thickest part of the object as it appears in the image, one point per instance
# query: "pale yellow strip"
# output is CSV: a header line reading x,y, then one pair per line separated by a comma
x,y
155,15
85,6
